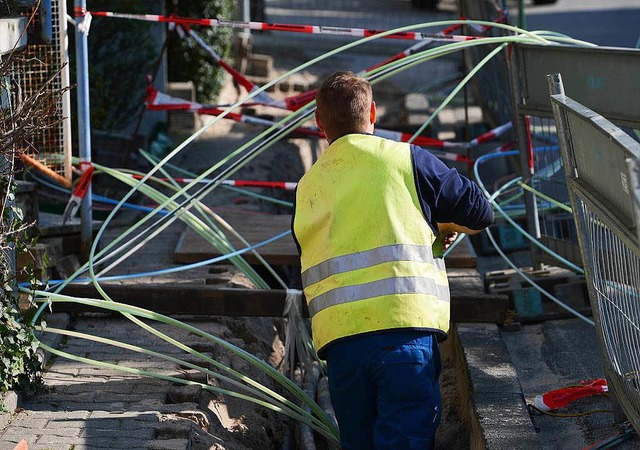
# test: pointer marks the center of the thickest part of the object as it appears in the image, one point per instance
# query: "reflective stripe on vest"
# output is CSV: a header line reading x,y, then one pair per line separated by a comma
x,y
368,258
389,286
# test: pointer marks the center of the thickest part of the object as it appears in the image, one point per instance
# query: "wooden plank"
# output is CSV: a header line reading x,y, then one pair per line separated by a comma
x,y
205,300
185,299
258,227
255,228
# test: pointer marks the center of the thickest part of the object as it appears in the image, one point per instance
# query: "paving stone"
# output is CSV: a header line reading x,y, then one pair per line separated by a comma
x,y
57,424
71,389
60,365
109,397
58,442
77,348
151,388
178,407
104,373
85,396
169,444
28,422
158,366
15,435
147,416
139,433
76,447
103,424
62,431
132,424
77,414
171,429
109,406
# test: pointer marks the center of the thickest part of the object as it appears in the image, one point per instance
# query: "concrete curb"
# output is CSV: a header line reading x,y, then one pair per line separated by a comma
x,y
10,402
497,413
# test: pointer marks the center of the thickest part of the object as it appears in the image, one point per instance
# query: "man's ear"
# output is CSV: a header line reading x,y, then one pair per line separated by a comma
x,y
372,113
319,122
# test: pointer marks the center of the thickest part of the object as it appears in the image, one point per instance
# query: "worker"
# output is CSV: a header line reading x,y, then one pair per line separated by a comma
x,y
367,216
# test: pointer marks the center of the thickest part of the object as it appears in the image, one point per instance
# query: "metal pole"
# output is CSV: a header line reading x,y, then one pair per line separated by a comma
x,y
64,79
526,154
522,16
84,124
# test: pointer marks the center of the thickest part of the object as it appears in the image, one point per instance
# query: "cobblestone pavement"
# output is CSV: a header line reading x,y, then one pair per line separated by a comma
x,y
89,407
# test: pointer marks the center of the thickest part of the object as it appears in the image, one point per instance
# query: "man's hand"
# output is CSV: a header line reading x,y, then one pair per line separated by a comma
x,y
449,239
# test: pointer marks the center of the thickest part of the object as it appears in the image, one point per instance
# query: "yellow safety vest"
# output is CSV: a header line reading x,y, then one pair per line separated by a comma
x,y
366,248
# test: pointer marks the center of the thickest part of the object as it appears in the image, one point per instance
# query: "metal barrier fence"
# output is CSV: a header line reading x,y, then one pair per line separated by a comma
x,y
599,162
588,75
45,56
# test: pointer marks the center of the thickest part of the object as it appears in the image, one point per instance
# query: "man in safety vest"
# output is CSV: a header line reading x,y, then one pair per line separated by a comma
x,y
367,218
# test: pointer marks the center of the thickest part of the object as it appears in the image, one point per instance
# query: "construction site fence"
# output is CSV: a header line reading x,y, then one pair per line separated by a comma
x,y
601,166
514,87
587,75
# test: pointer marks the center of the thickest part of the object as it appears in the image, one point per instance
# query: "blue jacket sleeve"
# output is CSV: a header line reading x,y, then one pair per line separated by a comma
x,y
446,195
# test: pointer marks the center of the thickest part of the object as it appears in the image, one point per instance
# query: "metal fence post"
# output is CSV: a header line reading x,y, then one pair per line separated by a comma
x,y
526,154
84,123
63,34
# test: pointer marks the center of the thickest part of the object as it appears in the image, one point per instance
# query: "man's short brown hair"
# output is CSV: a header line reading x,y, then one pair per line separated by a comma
x,y
344,103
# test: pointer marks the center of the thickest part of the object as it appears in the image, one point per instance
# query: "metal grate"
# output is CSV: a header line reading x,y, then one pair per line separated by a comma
x,y
615,288
598,161
41,61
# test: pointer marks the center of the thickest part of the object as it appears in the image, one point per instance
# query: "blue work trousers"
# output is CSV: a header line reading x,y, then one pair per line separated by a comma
x,y
385,391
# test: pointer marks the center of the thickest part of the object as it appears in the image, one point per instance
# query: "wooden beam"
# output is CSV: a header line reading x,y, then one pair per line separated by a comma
x,y
206,300
186,299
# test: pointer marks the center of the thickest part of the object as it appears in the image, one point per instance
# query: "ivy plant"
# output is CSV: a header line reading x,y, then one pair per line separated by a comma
x,y
20,367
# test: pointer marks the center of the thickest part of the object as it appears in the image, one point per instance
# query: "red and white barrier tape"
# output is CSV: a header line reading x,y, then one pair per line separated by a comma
x,y
79,192
157,100
284,185
491,134
561,398
295,102
294,28
261,98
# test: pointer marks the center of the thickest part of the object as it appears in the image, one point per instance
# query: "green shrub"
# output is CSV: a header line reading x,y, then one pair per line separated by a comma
x,y
193,63
121,54
19,364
